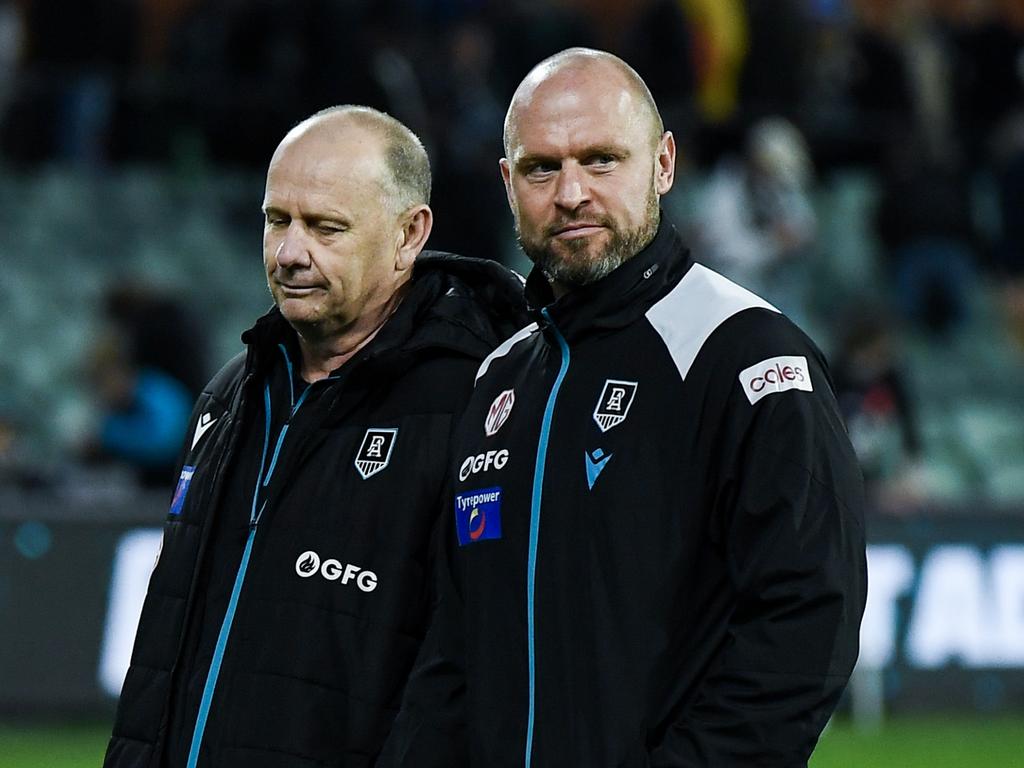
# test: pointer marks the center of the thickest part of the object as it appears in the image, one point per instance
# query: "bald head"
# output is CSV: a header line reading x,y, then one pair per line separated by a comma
x,y
406,181
576,67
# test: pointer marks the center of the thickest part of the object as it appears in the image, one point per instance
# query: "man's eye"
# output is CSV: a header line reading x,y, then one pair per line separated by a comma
x,y
601,160
541,169
277,221
329,229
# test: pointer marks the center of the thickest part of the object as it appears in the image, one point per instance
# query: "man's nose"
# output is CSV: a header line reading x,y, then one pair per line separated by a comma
x,y
293,250
572,190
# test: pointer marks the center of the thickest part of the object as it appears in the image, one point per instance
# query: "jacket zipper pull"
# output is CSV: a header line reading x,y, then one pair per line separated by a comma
x,y
256,518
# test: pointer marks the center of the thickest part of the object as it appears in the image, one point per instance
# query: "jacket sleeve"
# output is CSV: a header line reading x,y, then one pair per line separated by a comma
x,y
430,729
789,521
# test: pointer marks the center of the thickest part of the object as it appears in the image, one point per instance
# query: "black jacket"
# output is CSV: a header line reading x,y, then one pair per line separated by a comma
x,y
290,596
655,549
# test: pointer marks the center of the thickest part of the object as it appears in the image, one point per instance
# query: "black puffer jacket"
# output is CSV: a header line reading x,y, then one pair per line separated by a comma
x,y
281,622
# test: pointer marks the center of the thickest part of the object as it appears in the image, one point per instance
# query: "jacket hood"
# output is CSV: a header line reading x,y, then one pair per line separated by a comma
x,y
453,303
469,305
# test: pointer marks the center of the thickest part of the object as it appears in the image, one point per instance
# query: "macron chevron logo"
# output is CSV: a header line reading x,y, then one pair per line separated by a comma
x,y
596,463
205,422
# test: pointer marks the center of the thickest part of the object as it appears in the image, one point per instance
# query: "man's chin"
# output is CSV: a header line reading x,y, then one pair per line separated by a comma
x,y
572,266
577,252
298,311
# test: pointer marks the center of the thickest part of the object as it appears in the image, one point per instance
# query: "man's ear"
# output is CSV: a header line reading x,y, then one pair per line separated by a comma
x,y
665,168
416,226
506,176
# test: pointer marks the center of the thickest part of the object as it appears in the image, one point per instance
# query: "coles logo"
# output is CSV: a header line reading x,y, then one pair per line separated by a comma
x,y
482,462
499,411
309,564
777,374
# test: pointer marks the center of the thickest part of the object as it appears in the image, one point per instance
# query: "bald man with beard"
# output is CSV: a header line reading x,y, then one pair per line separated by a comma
x,y
655,549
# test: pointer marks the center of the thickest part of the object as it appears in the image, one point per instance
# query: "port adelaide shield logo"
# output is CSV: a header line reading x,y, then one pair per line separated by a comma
x,y
499,411
614,402
375,452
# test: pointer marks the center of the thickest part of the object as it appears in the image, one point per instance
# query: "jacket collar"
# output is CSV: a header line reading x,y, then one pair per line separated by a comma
x,y
453,303
263,337
619,298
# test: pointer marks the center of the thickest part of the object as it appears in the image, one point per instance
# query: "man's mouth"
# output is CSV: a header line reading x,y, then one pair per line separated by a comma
x,y
298,289
577,229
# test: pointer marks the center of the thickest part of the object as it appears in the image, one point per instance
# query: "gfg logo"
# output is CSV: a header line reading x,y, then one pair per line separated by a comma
x,y
308,563
482,462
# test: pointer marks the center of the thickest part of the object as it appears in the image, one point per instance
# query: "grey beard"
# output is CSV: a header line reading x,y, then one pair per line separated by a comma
x,y
575,270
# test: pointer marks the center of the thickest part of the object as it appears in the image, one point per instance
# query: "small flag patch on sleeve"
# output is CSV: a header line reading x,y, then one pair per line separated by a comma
x,y
178,502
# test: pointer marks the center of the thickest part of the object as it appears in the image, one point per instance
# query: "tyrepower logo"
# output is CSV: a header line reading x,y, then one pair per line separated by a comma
x,y
777,374
308,564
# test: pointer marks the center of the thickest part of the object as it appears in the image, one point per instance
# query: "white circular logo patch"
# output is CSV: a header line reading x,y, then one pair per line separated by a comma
x,y
307,564
499,411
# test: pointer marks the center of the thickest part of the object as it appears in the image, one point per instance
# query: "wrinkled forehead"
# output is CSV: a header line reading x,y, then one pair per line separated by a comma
x,y
324,165
570,108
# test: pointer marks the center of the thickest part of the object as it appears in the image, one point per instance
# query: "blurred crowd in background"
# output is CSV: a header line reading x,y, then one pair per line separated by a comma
x,y
860,163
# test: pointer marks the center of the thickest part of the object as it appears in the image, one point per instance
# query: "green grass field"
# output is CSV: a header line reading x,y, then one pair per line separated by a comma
x,y
904,743
71,746
934,742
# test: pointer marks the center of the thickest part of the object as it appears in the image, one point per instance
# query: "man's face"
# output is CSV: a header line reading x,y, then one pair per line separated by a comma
x,y
584,174
329,240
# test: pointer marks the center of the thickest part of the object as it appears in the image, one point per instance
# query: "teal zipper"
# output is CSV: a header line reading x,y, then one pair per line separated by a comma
x,y
538,484
262,480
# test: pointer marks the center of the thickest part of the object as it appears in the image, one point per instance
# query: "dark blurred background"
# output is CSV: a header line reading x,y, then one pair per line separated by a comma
x,y
860,163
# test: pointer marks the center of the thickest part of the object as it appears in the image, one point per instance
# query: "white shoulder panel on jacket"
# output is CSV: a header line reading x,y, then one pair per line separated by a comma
x,y
690,313
504,348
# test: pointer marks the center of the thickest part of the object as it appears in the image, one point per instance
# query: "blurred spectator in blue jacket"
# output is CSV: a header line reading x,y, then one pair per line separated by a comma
x,y
145,370
144,414
158,331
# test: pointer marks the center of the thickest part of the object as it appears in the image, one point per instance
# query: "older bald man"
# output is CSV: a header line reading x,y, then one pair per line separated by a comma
x,y
292,590
666,568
